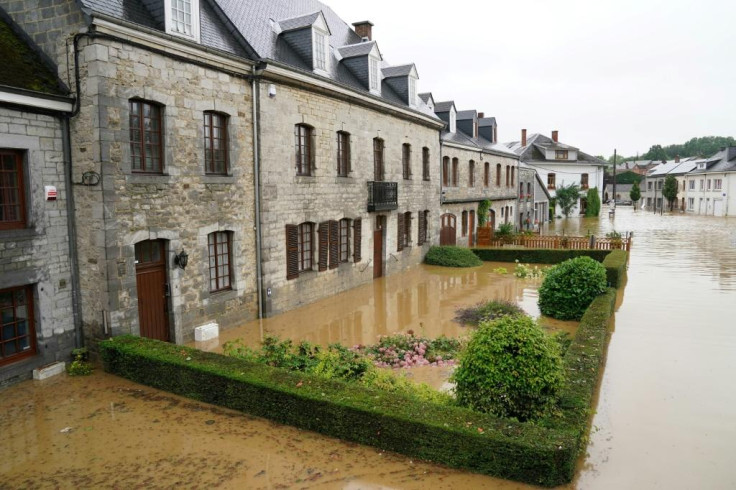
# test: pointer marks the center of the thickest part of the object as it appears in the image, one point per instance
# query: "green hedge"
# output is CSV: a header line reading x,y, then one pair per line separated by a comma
x,y
448,435
544,453
613,260
451,256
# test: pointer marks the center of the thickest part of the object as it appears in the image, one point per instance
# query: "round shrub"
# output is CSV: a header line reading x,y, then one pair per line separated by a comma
x,y
511,368
570,287
448,256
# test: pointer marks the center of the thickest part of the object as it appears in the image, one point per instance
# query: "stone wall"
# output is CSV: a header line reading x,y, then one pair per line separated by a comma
x,y
291,199
182,206
39,254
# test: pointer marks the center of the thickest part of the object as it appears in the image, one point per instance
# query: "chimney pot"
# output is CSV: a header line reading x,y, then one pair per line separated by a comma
x,y
523,137
555,135
481,115
364,29
677,158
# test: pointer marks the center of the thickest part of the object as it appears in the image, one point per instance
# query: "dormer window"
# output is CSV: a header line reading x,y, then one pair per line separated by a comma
x,y
320,50
412,91
453,120
375,80
182,18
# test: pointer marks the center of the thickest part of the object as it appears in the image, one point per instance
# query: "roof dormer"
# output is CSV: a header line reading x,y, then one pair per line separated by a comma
x,y
428,99
487,128
182,18
403,80
364,61
467,123
448,113
309,36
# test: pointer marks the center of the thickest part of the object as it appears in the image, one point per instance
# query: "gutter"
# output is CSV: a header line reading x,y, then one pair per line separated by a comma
x,y
256,99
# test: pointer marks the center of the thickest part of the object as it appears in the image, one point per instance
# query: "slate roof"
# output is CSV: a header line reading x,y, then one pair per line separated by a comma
x,y
487,121
443,106
533,151
463,115
478,144
360,49
298,22
723,161
673,167
398,71
22,66
426,96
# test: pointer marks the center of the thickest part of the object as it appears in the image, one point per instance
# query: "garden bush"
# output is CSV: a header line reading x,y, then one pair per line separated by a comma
x,y
511,368
536,255
570,287
487,311
448,256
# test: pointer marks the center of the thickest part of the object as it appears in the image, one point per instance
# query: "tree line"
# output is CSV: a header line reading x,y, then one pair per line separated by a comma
x,y
703,146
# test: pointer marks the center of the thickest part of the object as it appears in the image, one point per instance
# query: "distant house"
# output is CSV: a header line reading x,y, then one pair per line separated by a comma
x,y
560,164
653,183
37,275
710,188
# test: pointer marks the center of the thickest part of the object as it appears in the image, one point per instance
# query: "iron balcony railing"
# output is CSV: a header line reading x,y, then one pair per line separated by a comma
x,y
383,196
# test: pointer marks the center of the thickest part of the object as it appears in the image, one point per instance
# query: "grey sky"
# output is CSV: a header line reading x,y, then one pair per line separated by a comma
x,y
607,74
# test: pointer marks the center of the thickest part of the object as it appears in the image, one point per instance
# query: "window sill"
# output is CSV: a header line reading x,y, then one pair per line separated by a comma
x,y
218,179
149,179
306,178
224,295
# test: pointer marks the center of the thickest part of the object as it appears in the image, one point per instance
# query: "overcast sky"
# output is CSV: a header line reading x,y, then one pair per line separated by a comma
x,y
607,74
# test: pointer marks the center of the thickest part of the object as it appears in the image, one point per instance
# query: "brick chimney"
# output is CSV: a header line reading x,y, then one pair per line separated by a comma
x,y
481,115
523,137
677,158
555,134
364,29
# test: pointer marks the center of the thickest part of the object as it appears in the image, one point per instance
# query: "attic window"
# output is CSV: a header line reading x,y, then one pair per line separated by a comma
x,y
375,82
561,155
453,120
182,18
320,50
412,91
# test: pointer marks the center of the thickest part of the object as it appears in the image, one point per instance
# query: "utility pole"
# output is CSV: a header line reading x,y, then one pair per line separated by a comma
x,y
614,178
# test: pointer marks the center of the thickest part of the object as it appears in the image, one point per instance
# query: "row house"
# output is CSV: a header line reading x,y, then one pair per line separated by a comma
x,y
652,185
475,168
710,187
38,323
559,164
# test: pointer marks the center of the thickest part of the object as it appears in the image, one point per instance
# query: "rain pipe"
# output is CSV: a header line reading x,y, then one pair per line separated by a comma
x,y
72,229
256,94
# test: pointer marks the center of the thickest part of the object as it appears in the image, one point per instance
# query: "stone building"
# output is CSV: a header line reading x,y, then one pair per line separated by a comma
x,y
559,164
475,168
162,141
37,275
710,187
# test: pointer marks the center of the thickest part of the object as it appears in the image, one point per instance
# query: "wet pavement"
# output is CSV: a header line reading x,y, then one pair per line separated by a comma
x,y
665,416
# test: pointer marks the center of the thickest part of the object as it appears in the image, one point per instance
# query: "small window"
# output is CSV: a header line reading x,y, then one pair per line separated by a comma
x,y
304,149
215,143
343,153
320,51
375,81
717,184
412,91
464,223
455,170
486,174
17,334
425,163
508,175
551,181
446,171
471,174
584,181
561,155
306,246
344,240
423,227
146,138
649,186
498,175
708,186
513,174
407,229
12,190
220,253
702,184
406,160
378,166
183,17
692,185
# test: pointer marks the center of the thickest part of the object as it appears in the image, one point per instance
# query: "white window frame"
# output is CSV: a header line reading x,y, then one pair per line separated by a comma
x,y
412,91
374,75
170,27
453,120
320,38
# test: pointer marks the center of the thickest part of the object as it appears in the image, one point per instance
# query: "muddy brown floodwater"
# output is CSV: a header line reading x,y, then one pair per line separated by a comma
x,y
665,416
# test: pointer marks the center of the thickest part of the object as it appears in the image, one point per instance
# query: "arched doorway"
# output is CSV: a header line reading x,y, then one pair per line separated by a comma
x,y
448,223
152,288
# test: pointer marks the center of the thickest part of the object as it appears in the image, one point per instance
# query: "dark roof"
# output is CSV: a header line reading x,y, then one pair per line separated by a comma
x,y
398,71
298,22
22,66
443,106
462,115
426,96
723,161
535,143
360,49
487,121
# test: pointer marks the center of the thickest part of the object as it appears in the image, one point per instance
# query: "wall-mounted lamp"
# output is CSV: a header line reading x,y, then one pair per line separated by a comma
x,y
181,259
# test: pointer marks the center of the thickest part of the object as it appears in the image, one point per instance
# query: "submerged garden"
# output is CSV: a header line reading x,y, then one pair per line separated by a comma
x,y
519,407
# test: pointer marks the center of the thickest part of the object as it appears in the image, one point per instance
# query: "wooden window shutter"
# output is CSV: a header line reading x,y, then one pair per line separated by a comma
x,y
400,237
420,227
312,150
324,239
292,251
357,227
350,155
334,244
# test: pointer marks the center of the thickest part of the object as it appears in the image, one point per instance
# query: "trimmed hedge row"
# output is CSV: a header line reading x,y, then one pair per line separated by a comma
x,y
455,436
613,260
451,256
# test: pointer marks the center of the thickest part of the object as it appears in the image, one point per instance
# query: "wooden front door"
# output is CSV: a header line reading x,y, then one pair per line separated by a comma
x,y
471,229
447,229
153,297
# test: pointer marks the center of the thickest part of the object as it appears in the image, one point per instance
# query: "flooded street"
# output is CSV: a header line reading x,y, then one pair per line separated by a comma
x,y
665,416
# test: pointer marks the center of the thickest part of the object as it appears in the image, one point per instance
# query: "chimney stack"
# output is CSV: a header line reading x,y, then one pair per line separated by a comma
x,y
523,137
364,29
677,158
555,134
481,115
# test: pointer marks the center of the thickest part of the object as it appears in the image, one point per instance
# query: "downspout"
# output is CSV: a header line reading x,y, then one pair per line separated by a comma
x,y
255,93
72,231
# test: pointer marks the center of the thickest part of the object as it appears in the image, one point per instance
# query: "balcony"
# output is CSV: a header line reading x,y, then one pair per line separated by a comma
x,y
383,196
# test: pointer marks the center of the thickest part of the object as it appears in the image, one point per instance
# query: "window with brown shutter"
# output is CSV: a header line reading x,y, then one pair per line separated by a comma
x,y
446,171
498,175
400,232
12,190
406,160
146,137
344,240
425,163
378,164
513,173
334,244
421,229
215,143
304,144
487,174
343,154
357,234
508,175
292,251
305,246
455,165
17,333
471,174
407,229
464,223
324,245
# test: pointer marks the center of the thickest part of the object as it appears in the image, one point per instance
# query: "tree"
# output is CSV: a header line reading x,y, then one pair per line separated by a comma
x,y
567,197
656,152
635,193
670,189
594,203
